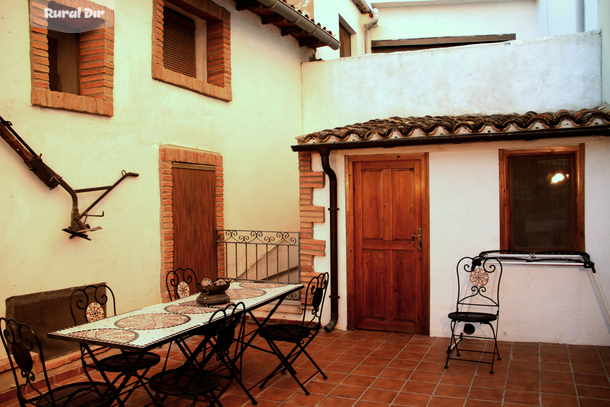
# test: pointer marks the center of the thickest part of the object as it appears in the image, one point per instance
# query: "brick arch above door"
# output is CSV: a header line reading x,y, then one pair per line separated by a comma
x,y
174,154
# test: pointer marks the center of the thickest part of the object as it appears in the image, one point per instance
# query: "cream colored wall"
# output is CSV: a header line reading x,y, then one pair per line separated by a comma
x,y
253,133
548,304
327,13
452,19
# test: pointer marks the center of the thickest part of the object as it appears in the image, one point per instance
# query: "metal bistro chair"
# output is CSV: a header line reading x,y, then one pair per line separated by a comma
x,y
300,336
180,283
209,378
87,305
478,302
20,341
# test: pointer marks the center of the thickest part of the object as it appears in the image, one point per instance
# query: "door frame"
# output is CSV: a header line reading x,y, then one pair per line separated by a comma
x,y
350,235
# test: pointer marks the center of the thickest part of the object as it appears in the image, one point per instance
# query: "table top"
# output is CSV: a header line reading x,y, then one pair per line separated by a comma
x,y
157,324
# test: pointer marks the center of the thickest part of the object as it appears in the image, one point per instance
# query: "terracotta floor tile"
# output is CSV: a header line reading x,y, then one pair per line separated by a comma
x,y
558,400
412,399
358,380
479,393
440,401
450,390
387,383
522,397
558,388
350,392
368,370
419,387
523,385
431,377
378,369
587,402
481,403
385,396
397,373
593,380
595,392
489,381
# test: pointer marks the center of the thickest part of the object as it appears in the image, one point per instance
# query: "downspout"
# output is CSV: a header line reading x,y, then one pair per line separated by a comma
x,y
334,269
367,30
298,19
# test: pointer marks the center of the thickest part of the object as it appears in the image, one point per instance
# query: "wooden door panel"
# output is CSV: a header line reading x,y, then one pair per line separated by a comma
x,y
389,289
194,219
372,207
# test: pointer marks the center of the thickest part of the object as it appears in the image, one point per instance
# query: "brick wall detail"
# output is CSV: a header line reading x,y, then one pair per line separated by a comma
x,y
168,155
218,49
309,214
96,62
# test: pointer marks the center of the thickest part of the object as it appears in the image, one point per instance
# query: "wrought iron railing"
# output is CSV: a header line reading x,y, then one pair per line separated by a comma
x,y
259,255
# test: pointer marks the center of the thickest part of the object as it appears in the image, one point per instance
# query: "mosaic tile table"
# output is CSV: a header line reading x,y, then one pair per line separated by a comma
x,y
155,325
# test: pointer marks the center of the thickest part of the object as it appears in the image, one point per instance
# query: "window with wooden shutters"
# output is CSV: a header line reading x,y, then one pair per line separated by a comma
x,y
179,48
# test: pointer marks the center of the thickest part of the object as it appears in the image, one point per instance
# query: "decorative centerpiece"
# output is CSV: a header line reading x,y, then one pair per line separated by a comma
x,y
213,292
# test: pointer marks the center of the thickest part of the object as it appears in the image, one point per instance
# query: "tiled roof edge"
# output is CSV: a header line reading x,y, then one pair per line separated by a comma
x,y
463,125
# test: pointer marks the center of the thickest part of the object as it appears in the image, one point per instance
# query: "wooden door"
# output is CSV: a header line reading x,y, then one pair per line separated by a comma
x,y
388,286
194,218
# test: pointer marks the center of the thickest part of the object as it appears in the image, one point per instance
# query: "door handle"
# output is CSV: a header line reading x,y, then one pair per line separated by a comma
x,y
418,237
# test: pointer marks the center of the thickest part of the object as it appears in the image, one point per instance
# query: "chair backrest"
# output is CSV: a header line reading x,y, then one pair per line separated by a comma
x,y
229,328
478,285
180,283
20,341
314,300
92,303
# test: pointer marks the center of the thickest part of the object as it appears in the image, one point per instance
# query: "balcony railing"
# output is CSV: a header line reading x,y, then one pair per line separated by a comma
x,y
259,255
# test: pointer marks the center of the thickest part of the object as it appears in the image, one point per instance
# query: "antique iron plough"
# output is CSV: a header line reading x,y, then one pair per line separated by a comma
x,y
78,220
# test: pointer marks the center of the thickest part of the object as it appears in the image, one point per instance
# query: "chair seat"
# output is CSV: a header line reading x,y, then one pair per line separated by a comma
x,y
125,361
472,317
286,332
185,382
88,394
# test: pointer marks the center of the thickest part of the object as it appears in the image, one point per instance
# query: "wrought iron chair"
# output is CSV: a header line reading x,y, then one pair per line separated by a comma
x,y
478,302
20,341
180,283
300,336
209,378
93,303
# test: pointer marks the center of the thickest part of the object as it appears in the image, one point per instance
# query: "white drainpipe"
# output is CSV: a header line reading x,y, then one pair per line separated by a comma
x,y
296,18
367,30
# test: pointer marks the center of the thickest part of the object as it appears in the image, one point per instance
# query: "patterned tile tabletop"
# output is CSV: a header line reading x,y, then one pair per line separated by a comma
x,y
147,327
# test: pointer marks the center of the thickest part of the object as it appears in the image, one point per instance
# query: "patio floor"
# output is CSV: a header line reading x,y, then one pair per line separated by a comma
x,y
367,368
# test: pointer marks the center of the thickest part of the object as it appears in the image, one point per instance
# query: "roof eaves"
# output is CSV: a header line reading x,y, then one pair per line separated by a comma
x,y
291,21
459,129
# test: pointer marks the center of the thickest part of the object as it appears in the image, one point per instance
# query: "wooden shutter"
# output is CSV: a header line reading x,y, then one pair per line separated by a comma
x,y
179,43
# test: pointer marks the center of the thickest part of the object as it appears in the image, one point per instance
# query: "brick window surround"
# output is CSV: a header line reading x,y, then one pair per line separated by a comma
x,y
167,156
218,49
96,61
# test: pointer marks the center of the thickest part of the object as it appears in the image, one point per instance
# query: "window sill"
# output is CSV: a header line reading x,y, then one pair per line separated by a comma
x,y
186,82
68,101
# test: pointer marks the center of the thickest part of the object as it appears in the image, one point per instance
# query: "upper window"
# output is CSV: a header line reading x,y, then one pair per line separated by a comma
x,y
72,48
542,199
192,46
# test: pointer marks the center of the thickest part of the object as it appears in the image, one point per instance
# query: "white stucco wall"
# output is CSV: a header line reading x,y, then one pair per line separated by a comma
x,y
547,304
552,73
253,133
453,19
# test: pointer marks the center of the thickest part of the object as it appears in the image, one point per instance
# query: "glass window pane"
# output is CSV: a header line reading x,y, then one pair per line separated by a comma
x,y
541,190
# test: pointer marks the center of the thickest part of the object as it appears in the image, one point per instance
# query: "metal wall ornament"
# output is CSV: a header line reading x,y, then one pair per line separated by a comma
x,y
78,220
